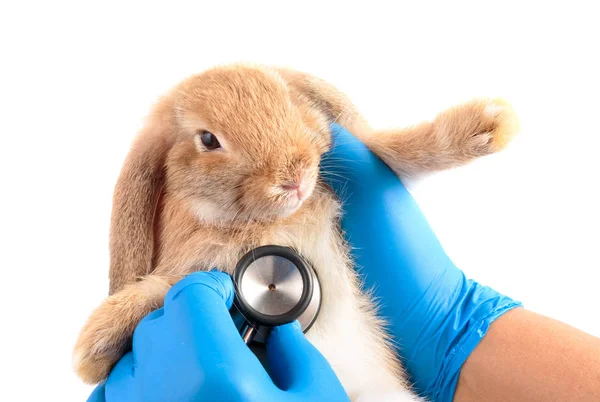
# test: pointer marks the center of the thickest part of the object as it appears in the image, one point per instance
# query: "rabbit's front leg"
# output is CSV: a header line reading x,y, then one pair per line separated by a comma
x,y
108,332
455,137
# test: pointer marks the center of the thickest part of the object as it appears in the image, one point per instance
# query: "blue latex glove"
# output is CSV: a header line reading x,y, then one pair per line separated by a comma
x,y
437,316
190,350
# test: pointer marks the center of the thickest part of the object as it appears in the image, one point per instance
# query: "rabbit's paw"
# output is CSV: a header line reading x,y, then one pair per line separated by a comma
x,y
102,342
479,127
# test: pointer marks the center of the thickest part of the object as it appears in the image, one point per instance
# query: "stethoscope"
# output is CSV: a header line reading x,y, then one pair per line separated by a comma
x,y
274,285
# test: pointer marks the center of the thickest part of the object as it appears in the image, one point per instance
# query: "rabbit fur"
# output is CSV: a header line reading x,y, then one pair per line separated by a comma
x,y
180,207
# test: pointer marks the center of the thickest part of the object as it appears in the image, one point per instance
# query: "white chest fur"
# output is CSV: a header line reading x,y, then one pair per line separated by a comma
x,y
347,331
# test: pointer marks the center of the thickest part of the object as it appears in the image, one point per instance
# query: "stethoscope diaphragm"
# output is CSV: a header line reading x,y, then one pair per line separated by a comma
x,y
273,286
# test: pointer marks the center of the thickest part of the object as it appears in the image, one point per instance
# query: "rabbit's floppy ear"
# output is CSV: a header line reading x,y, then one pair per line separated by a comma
x,y
135,200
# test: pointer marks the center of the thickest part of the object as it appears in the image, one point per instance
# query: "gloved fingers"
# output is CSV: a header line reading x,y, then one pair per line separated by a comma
x,y
195,330
206,284
198,302
295,364
120,384
206,293
350,166
98,394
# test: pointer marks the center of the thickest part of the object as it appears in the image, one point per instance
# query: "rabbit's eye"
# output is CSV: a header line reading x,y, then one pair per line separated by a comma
x,y
209,140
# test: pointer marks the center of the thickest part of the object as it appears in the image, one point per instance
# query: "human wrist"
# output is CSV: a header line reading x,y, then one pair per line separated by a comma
x,y
475,309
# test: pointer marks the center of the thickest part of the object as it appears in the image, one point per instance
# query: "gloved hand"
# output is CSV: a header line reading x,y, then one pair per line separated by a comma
x,y
436,315
190,350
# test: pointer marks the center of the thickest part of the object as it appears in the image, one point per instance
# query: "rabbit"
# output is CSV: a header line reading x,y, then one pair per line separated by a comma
x,y
228,160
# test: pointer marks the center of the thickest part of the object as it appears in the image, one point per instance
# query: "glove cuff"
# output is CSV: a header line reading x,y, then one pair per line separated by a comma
x,y
475,330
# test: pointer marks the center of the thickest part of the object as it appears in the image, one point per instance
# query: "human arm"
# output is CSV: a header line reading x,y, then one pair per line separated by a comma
x,y
436,315
191,350
529,357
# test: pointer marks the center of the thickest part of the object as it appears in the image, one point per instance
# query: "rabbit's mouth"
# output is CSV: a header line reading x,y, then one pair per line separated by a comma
x,y
280,201
292,195
291,208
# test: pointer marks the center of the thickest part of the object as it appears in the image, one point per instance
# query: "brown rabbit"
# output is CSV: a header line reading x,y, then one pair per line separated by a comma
x,y
228,161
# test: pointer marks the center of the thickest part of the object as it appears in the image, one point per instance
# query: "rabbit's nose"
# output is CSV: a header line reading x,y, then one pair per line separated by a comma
x,y
299,186
290,187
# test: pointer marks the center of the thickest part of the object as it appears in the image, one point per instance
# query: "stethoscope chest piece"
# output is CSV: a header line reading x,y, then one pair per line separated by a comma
x,y
273,286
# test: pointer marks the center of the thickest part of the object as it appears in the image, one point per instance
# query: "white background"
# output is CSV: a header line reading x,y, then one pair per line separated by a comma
x,y
76,80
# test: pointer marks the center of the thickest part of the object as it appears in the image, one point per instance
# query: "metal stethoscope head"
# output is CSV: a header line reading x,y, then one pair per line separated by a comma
x,y
273,286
